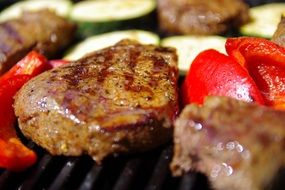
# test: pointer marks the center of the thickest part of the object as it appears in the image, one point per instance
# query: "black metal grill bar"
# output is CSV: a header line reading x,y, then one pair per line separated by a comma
x,y
188,181
91,177
129,173
36,174
161,170
64,174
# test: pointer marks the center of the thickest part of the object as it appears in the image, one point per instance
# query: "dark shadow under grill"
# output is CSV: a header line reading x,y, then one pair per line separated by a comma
x,y
145,171
148,171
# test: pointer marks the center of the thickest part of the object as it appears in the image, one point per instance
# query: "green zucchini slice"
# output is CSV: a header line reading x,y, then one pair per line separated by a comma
x,y
99,16
188,47
264,20
61,7
104,40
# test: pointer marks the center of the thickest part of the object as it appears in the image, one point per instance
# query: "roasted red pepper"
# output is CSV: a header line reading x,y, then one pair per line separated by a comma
x,y
32,64
265,62
213,73
13,154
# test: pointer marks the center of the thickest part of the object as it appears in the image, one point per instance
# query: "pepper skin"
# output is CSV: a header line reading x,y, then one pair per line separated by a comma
x,y
13,154
265,62
213,73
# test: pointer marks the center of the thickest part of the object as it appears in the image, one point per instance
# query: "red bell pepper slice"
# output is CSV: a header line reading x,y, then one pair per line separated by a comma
x,y
213,73
265,62
13,154
32,64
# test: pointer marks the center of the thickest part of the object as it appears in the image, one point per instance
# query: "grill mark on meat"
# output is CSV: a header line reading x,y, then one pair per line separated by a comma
x,y
90,109
9,29
77,74
132,62
106,59
146,118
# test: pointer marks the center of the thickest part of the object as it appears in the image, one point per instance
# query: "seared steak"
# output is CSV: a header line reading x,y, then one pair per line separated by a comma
x,y
238,145
43,31
201,16
119,99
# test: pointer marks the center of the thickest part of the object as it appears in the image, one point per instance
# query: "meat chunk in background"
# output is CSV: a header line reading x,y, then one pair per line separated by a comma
x,y
237,145
43,31
279,34
201,17
119,99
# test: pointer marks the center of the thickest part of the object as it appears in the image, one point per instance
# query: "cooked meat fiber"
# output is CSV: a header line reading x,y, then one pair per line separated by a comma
x,y
115,100
43,31
279,34
238,145
201,17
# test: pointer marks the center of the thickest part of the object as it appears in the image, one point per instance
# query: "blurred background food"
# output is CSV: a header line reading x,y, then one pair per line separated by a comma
x,y
188,25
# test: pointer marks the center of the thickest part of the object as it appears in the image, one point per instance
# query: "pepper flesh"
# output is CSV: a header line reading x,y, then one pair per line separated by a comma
x,y
265,62
213,73
13,154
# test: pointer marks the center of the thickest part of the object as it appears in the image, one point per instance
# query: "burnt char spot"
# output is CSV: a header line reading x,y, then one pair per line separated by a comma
x,y
129,81
134,55
129,77
158,64
106,59
77,73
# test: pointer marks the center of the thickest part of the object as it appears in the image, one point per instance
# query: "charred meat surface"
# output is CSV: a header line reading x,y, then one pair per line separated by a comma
x,y
201,17
237,145
43,31
279,34
119,99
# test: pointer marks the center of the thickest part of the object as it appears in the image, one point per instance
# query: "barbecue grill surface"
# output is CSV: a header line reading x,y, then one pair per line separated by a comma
x,y
145,171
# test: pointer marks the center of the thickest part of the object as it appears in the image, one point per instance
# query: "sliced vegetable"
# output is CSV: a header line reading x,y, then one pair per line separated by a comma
x,y
265,62
61,7
104,40
32,64
96,17
213,73
13,154
188,47
264,20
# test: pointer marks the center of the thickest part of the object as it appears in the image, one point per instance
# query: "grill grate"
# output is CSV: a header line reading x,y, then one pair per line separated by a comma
x,y
146,171
142,171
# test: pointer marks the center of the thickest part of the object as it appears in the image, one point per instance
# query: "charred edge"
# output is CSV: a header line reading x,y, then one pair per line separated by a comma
x,y
149,121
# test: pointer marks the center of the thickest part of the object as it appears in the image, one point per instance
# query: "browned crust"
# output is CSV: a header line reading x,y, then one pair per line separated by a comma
x,y
127,103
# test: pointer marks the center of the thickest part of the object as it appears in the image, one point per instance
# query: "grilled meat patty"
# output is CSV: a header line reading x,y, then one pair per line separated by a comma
x,y
238,145
119,99
43,31
201,16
